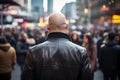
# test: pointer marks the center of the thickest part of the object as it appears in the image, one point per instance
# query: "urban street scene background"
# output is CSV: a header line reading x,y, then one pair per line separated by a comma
x,y
27,19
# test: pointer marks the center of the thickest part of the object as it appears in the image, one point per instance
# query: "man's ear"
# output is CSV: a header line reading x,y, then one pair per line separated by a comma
x,y
66,27
48,27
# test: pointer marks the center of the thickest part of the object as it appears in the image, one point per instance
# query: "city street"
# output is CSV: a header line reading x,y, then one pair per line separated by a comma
x,y
61,36
16,74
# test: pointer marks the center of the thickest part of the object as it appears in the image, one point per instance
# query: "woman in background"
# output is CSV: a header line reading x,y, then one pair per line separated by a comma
x,y
76,38
90,45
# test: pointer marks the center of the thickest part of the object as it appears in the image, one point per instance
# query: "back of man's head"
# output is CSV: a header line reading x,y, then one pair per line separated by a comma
x,y
3,40
111,36
57,21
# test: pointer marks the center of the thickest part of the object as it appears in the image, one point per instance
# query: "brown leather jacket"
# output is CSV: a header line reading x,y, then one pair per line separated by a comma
x,y
57,59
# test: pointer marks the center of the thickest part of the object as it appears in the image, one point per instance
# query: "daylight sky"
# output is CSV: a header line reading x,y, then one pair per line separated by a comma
x,y
57,4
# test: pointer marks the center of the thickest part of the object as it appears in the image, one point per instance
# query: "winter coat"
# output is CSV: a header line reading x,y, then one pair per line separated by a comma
x,y
108,57
21,49
7,58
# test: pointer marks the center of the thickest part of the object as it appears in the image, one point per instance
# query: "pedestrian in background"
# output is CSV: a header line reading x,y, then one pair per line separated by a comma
x,y
76,38
10,38
57,58
7,59
21,49
90,45
108,58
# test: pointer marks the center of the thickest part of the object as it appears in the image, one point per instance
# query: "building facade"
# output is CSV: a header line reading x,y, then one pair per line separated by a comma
x,y
50,6
98,11
37,9
70,10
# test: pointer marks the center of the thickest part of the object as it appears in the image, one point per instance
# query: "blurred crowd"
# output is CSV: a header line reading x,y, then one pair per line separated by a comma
x,y
103,47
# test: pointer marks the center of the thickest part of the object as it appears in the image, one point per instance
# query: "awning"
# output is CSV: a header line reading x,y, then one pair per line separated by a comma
x,y
11,2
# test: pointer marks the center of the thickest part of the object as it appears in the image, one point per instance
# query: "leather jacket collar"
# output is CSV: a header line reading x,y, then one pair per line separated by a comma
x,y
58,35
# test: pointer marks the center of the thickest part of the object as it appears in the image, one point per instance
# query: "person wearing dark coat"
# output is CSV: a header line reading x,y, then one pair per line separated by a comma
x,y
100,43
57,58
21,49
108,58
118,63
11,39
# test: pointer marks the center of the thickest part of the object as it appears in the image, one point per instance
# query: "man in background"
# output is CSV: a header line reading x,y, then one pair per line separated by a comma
x,y
109,58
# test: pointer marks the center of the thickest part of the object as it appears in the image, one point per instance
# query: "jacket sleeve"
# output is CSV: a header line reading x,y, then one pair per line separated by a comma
x,y
28,72
101,52
85,72
14,56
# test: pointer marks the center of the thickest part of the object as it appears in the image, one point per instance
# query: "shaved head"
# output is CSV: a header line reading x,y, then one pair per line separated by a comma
x,y
57,21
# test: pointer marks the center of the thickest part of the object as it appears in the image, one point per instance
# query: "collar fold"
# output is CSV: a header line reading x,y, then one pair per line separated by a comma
x,y
58,35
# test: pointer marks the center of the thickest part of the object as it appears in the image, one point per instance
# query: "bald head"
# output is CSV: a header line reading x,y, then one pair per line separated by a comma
x,y
57,21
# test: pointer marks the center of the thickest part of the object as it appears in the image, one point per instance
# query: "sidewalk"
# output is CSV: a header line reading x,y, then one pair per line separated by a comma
x,y
16,72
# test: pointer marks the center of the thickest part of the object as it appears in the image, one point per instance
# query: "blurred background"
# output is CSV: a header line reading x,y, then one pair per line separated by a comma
x,y
80,14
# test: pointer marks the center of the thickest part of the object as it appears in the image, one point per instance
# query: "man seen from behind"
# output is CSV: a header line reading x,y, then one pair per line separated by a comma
x,y
57,58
